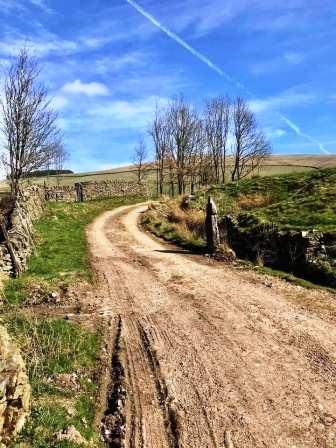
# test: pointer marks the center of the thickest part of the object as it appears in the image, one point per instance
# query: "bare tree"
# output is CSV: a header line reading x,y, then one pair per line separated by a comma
x,y
60,155
217,126
251,147
161,138
183,125
139,158
195,154
28,123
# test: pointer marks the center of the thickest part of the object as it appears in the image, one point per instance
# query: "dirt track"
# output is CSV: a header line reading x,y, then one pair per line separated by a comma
x,y
205,357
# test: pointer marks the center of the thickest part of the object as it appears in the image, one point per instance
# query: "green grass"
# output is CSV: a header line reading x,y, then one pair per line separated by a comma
x,y
61,255
276,165
300,201
163,229
54,346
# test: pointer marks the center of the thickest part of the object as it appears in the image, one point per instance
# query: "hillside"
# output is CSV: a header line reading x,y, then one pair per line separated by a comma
x,y
299,201
275,165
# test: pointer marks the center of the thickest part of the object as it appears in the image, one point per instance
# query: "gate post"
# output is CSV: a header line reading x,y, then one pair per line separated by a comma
x,y
79,192
211,225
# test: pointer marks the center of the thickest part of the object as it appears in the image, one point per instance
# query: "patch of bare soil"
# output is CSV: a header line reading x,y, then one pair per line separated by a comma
x,y
200,354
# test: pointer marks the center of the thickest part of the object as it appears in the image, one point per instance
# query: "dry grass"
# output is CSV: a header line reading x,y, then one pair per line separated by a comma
x,y
180,225
250,202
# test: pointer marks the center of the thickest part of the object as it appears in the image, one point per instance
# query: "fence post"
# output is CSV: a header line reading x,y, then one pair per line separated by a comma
x,y
79,192
211,225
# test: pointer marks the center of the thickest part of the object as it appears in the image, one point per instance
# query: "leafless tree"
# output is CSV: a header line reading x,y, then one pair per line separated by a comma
x,y
28,123
60,155
183,123
161,139
217,126
251,147
195,154
139,158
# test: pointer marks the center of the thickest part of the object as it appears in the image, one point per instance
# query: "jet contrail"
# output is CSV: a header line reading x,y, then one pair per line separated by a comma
x,y
217,69
185,45
300,133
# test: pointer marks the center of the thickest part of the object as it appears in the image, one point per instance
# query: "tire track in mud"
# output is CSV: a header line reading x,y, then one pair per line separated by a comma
x,y
114,422
122,424
169,413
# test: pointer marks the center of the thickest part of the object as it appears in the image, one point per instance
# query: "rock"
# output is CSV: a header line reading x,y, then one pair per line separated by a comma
x,y
54,297
68,380
72,435
14,390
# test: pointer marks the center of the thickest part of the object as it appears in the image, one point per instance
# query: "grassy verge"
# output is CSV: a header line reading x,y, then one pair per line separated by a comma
x,y
184,227
61,360
61,357
61,254
168,221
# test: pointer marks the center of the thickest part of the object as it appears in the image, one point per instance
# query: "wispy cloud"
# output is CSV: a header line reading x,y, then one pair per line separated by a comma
x,y
41,44
277,64
42,5
89,89
275,133
209,63
131,114
183,43
286,99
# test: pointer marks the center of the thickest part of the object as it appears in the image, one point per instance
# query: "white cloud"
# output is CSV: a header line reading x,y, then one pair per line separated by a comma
x,y
42,5
285,99
89,89
10,46
275,133
116,63
59,102
135,114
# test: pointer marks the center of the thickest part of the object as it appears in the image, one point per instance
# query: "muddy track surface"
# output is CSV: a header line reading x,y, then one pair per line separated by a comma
x,y
202,356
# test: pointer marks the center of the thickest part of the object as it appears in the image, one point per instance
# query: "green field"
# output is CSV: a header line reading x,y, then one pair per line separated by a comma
x,y
276,165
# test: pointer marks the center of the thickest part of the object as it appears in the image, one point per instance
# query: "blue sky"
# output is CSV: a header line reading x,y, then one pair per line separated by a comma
x,y
106,65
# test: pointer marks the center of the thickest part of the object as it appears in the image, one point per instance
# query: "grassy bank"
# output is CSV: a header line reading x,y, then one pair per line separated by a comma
x,y
61,254
294,202
300,201
61,356
169,221
61,360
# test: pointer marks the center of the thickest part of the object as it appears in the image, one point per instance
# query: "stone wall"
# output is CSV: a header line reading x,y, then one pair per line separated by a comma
x,y
14,390
17,232
66,193
86,191
310,255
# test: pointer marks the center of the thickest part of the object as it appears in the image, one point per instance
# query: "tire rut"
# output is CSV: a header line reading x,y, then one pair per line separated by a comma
x,y
170,414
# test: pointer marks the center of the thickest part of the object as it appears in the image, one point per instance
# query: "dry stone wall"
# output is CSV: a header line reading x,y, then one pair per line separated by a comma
x,y
17,231
14,390
310,255
86,191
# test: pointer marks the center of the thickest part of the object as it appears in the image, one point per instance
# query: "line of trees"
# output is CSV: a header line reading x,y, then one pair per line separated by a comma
x,y
194,149
31,137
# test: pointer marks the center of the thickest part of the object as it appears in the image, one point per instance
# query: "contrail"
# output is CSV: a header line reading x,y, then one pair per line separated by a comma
x,y
300,133
217,69
185,45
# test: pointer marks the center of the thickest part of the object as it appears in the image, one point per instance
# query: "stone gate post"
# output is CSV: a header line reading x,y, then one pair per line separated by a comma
x,y
211,225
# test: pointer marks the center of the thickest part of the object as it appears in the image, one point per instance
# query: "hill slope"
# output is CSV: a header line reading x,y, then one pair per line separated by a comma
x,y
299,201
